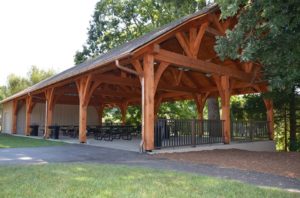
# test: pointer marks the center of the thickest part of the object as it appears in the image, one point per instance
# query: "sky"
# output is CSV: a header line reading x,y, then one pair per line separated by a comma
x,y
45,33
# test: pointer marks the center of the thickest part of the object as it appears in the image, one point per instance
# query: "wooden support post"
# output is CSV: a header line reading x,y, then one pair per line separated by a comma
x,y
14,117
85,87
270,117
149,79
148,88
29,108
123,108
223,84
49,95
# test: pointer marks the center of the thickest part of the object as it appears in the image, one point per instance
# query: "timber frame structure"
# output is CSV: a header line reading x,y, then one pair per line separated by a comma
x,y
175,62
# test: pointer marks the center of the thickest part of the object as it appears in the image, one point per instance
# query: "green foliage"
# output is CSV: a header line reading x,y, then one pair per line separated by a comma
x,y
267,32
16,83
117,22
237,108
36,75
3,91
112,115
134,115
248,107
255,107
178,110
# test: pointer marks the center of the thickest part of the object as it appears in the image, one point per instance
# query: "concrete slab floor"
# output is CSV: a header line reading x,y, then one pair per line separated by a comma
x,y
127,145
134,145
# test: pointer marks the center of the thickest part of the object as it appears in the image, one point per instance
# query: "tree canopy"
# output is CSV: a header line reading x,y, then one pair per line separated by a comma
x,y
268,33
17,83
116,22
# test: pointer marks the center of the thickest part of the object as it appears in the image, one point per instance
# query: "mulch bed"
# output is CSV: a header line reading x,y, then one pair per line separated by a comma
x,y
276,163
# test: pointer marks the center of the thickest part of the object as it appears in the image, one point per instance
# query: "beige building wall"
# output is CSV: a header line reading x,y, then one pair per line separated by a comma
x,y
62,115
21,119
7,114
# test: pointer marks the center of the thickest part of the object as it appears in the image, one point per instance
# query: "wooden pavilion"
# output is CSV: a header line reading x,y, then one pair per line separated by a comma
x,y
175,62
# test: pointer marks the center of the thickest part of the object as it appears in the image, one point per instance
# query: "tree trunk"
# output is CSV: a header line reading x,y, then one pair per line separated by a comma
x,y
293,121
285,130
213,109
213,114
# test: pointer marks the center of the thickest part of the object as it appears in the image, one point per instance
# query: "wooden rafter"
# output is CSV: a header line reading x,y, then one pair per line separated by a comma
x,y
158,73
195,44
200,100
200,65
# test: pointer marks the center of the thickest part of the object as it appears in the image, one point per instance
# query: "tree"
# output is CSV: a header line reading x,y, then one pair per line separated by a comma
x,y
36,75
268,33
16,83
178,110
117,22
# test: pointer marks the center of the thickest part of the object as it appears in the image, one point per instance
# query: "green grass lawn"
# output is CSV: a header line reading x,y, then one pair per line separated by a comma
x,y
92,180
10,141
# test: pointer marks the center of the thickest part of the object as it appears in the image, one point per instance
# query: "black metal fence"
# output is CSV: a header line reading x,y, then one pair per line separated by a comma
x,y
172,133
249,130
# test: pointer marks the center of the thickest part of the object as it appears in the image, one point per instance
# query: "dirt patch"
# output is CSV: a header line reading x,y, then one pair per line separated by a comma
x,y
277,163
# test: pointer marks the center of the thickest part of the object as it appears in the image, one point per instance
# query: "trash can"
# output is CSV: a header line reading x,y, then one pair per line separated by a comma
x,y
34,130
54,132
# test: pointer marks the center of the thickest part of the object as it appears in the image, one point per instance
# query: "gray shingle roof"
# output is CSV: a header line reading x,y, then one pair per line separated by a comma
x,y
116,53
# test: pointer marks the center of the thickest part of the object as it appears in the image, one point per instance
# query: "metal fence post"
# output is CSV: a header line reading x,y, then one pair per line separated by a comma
x,y
193,133
251,130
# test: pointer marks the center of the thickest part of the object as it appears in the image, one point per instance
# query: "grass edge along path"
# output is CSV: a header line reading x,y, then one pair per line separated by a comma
x,y
93,180
11,141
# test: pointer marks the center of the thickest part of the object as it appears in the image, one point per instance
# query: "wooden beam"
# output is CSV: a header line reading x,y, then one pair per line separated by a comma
x,y
86,86
195,46
215,20
213,31
200,100
248,67
160,70
177,75
14,116
225,98
200,65
29,108
192,79
138,67
115,80
50,102
183,41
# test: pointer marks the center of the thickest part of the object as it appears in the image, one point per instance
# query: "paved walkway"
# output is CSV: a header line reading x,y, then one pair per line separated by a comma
x,y
91,154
